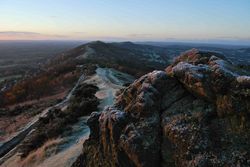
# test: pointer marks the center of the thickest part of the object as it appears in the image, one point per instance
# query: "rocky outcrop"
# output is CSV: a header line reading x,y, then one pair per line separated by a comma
x,y
196,113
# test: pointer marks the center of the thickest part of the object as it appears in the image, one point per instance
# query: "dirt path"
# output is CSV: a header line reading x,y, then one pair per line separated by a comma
x,y
9,145
109,81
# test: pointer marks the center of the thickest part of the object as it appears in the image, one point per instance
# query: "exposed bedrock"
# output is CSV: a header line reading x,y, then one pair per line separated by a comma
x,y
196,113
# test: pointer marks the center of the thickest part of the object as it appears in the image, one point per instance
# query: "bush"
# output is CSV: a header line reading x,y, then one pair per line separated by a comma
x,y
82,103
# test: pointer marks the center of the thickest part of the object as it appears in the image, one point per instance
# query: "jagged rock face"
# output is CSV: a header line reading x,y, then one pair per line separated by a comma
x,y
194,114
214,79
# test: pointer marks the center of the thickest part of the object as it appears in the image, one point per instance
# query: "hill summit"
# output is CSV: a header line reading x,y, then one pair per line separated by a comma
x,y
128,57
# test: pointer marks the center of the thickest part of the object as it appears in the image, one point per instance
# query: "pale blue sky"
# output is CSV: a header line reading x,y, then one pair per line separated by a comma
x,y
136,20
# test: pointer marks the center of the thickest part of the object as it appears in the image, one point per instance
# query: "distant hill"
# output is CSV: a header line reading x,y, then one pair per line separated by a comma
x,y
237,54
245,50
126,56
61,72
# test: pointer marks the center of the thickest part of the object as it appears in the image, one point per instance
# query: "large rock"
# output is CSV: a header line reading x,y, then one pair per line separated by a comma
x,y
194,114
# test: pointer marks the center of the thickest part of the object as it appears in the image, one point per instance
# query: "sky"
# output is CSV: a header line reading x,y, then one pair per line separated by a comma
x,y
222,21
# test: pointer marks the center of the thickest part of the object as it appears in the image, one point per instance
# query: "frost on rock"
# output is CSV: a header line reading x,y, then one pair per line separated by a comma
x,y
88,53
196,113
244,80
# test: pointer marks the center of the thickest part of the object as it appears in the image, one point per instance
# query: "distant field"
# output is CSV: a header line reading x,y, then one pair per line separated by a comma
x,y
239,55
10,77
18,57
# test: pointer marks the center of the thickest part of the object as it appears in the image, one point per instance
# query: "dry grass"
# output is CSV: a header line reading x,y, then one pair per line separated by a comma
x,y
49,148
10,125
60,95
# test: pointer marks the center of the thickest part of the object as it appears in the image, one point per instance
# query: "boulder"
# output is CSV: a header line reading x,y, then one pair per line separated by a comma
x,y
194,114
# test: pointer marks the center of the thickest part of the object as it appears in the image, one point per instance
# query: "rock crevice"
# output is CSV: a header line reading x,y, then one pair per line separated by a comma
x,y
196,113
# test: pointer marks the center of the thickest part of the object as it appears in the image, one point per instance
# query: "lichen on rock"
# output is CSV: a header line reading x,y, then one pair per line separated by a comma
x,y
196,113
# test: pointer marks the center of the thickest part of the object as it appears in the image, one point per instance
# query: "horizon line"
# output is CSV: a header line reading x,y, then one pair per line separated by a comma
x,y
206,42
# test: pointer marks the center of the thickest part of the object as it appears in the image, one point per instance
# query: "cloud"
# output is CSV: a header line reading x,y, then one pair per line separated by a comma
x,y
26,35
79,32
140,35
18,33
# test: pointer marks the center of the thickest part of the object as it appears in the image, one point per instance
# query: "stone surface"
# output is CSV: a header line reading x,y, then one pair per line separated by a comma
x,y
196,113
